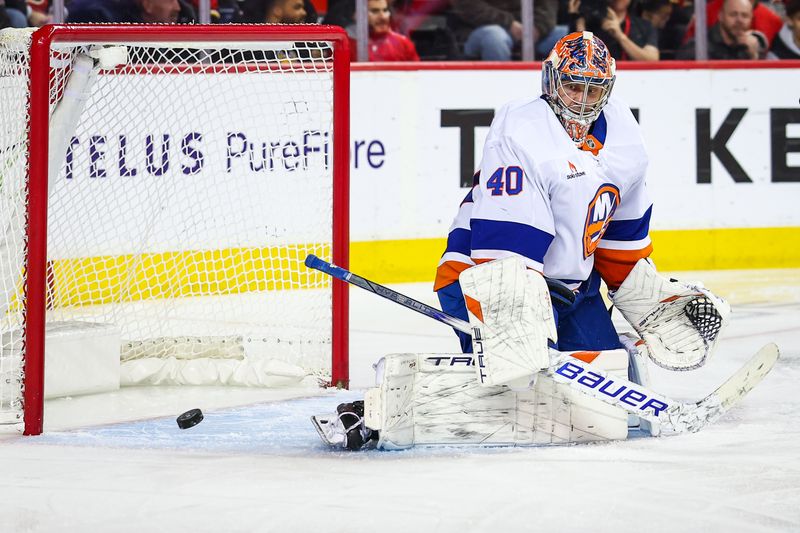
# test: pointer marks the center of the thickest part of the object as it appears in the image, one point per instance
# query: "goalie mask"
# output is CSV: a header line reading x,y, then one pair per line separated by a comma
x,y
577,78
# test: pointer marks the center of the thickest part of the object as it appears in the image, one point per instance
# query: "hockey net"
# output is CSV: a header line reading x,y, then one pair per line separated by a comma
x,y
190,171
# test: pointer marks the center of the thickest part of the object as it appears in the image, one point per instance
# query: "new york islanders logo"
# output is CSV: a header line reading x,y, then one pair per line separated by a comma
x,y
598,215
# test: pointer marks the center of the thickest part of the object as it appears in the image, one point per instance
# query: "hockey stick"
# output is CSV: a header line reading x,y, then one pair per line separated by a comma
x,y
670,416
312,261
557,289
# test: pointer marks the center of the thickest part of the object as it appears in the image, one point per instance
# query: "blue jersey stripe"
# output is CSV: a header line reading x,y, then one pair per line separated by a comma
x,y
459,241
599,128
514,237
629,230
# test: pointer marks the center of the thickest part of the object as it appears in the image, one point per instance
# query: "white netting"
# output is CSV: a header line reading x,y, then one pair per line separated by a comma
x,y
183,202
14,73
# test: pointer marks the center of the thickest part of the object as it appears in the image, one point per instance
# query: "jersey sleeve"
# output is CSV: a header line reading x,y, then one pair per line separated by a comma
x,y
511,214
627,238
456,257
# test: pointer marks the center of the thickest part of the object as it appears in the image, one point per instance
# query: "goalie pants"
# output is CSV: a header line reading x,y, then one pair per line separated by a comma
x,y
584,325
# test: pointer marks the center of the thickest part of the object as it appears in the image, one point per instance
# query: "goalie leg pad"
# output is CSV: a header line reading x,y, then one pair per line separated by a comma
x,y
433,399
679,322
512,318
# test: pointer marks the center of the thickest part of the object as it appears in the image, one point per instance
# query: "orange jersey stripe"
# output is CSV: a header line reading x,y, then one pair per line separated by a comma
x,y
448,273
615,265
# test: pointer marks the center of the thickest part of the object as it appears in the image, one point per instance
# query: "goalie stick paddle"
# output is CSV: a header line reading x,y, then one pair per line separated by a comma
x,y
670,416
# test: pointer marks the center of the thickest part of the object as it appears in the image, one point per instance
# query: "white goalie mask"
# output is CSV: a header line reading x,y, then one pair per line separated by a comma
x,y
577,78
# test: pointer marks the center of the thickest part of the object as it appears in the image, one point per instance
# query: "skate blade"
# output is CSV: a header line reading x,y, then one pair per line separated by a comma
x,y
326,428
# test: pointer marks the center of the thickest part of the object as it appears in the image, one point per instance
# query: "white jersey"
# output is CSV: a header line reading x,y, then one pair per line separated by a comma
x,y
558,206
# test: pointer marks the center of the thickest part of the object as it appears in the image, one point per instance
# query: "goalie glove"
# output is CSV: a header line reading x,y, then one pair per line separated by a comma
x,y
680,322
511,317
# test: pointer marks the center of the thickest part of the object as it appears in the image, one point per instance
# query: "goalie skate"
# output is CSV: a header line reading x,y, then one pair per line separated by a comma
x,y
329,428
346,428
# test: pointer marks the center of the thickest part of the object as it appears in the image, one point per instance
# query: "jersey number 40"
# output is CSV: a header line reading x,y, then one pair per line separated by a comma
x,y
506,180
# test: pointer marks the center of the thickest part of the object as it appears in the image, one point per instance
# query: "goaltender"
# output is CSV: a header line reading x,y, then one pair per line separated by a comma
x,y
560,193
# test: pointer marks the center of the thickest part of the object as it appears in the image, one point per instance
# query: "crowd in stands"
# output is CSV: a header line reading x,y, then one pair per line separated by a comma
x,y
407,30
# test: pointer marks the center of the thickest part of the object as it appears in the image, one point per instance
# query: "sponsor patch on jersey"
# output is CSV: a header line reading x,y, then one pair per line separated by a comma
x,y
574,172
598,215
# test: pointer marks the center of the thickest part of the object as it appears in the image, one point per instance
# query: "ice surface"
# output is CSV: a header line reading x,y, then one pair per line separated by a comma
x,y
256,464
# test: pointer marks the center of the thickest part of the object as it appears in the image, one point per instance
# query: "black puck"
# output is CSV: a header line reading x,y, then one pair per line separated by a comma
x,y
190,418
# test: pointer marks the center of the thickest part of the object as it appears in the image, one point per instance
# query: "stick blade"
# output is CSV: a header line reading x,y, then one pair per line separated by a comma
x,y
715,405
750,375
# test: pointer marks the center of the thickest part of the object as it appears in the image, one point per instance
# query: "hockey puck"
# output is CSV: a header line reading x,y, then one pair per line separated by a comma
x,y
190,418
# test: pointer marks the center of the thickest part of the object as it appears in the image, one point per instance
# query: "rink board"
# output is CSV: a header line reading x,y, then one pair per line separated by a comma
x,y
416,136
411,151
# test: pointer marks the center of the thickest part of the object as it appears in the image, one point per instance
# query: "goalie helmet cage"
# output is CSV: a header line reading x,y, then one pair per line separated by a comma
x,y
309,141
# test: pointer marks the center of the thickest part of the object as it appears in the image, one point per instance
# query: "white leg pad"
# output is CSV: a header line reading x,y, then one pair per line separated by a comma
x,y
433,399
512,318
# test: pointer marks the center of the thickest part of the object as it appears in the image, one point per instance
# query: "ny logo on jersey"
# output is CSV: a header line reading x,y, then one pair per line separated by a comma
x,y
601,210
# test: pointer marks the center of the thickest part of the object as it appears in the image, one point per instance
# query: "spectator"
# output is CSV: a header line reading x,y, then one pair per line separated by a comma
x,y
213,9
385,44
228,10
425,23
570,13
135,11
278,11
341,13
5,21
15,12
670,37
312,17
491,30
22,13
731,37
787,43
764,20
410,15
39,13
657,13
627,36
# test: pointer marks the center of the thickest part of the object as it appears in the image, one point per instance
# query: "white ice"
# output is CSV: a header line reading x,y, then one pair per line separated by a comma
x,y
261,468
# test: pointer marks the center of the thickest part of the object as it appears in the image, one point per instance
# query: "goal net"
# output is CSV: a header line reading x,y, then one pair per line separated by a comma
x,y
160,187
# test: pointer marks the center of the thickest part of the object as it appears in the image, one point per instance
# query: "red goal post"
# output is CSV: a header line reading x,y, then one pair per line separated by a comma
x,y
267,59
